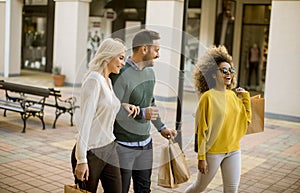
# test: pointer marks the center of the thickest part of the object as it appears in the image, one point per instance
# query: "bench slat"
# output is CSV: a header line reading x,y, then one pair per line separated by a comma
x,y
12,108
22,88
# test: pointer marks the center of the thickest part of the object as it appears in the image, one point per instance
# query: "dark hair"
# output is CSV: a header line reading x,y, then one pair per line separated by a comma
x,y
144,37
208,65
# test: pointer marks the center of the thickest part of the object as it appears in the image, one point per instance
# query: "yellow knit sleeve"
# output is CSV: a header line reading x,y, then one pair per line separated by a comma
x,y
204,113
247,104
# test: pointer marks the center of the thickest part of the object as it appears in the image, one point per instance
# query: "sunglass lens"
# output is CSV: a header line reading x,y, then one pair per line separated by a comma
x,y
224,70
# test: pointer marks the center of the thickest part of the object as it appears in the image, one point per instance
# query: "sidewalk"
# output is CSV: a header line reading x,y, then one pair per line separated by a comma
x,y
39,160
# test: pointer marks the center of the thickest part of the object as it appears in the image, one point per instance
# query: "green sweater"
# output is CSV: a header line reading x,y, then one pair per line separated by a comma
x,y
134,87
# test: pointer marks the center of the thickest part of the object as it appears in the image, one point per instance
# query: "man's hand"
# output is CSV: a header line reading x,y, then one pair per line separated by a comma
x,y
168,133
82,171
151,113
202,166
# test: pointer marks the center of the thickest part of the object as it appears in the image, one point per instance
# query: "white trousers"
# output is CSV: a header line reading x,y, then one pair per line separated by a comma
x,y
231,171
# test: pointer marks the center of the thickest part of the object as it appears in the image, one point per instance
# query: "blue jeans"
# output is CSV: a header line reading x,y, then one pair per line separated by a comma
x,y
230,164
136,163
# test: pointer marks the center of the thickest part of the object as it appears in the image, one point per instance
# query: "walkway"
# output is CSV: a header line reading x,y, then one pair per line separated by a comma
x,y
39,161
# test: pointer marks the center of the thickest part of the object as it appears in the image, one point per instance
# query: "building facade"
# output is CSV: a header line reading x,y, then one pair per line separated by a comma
x,y
40,34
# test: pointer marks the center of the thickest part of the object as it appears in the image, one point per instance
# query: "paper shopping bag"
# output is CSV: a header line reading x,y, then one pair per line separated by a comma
x,y
165,174
258,115
74,189
179,165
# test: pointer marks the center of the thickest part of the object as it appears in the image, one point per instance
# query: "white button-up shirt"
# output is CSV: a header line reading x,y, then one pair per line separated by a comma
x,y
98,109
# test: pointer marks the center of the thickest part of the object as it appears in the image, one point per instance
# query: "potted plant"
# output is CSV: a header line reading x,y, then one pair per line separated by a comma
x,y
58,78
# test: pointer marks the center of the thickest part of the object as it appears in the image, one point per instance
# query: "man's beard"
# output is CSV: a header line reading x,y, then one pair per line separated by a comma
x,y
147,61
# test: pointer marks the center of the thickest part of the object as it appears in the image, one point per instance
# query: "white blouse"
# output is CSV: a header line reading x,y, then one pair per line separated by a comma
x,y
98,109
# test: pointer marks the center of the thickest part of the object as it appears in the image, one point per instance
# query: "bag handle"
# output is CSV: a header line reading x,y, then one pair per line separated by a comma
x,y
83,186
258,96
172,140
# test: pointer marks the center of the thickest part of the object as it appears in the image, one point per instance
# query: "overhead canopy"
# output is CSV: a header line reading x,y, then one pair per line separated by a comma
x,y
141,4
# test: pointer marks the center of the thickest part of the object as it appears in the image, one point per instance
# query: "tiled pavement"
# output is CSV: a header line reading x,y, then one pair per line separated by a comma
x,y
39,160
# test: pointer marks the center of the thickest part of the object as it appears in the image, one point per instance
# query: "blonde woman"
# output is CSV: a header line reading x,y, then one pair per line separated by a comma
x,y
94,156
222,119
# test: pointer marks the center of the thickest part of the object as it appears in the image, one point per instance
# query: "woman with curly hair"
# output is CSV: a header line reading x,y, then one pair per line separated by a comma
x,y
222,118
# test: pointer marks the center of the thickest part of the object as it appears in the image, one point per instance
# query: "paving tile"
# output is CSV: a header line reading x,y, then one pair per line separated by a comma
x,y
22,186
35,190
48,187
293,151
12,189
65,144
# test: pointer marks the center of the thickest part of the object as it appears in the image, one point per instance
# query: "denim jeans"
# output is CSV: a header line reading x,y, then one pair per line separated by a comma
x,y
136,163
231,170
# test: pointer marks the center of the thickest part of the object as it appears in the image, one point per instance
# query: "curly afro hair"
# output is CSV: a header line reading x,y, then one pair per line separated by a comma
x,y
208,65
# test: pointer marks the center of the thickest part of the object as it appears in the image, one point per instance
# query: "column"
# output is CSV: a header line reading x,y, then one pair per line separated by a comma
x,y
70,38
166,17
11,30
207,25
282,76
2,35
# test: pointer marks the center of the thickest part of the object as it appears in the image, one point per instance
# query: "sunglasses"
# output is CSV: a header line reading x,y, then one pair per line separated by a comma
x,y
225,70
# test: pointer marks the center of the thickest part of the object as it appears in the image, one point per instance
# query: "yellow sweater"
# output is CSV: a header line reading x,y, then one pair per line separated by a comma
x,y
222,120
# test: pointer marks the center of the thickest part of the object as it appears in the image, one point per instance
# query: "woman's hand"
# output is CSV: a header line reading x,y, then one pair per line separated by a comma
x,y
82,171
240,90
202,166
132,110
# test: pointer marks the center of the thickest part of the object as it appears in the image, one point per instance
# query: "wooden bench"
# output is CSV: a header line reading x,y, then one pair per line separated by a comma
x,y
61,105
26,100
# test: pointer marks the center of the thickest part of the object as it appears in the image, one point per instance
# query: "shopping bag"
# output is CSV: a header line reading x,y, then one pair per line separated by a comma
x,y
196,116
74,189
173,168
179,165
165,174
258,115
196,142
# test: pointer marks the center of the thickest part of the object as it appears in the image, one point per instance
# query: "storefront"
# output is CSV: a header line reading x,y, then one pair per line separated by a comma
x,y
37,35
108,18
254,46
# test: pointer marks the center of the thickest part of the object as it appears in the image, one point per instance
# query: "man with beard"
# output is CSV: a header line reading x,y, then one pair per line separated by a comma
x,y
135,85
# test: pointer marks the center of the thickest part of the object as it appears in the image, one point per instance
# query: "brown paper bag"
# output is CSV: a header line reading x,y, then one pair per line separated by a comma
x,y
74,189
179,165
258,115
165,174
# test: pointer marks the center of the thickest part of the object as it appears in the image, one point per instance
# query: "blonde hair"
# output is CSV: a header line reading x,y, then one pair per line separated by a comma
x,y
107,50
208,65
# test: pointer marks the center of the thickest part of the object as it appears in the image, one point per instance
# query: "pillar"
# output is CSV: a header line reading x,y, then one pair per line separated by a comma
x,y
166,17
207,25
282,76
2,36
11,31
70,38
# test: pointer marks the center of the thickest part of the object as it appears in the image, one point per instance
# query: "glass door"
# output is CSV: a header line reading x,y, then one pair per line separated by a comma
x,y
254,47
34,42
37,35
